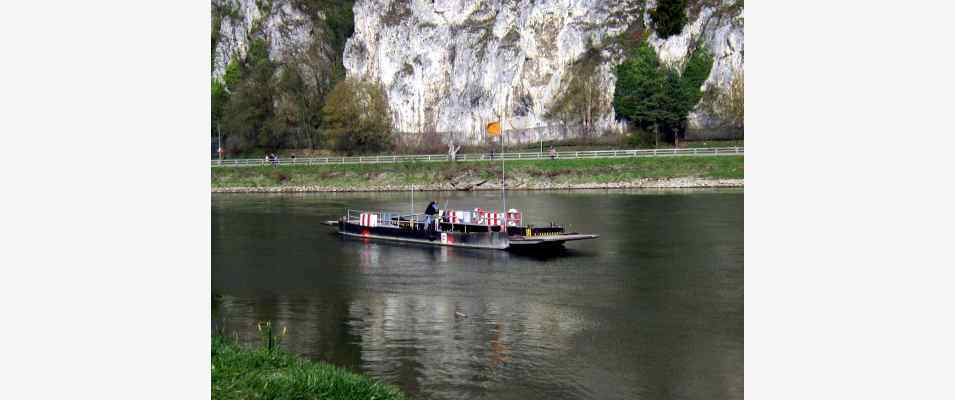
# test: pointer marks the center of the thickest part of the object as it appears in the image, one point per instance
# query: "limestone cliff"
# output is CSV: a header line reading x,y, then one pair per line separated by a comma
x,y
453,65
717,25
294,36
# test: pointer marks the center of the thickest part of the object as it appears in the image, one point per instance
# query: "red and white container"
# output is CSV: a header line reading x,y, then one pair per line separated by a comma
x,y
513,217
368,219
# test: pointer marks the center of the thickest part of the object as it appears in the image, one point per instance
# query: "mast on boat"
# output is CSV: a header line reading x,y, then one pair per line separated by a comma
x,y
503,192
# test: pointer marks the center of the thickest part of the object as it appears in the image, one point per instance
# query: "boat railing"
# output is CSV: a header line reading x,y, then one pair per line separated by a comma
x,y
411,220
383,218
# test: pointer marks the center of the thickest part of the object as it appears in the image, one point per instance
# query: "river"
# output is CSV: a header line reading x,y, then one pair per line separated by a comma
x,y
652,309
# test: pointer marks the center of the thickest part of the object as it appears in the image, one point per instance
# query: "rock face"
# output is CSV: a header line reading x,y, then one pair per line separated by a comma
x,y
451,66
290,33
454,65
718,25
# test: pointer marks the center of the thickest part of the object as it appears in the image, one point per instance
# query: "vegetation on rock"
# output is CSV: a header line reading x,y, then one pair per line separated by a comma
x,y
264,102
357,118
580,99
656,99
668,17
248,111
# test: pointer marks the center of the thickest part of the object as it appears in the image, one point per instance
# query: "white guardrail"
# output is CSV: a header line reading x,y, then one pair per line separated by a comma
x,y
562,155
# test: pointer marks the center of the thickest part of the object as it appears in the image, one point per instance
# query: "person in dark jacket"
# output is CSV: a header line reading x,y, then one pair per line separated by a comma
x,y
430,213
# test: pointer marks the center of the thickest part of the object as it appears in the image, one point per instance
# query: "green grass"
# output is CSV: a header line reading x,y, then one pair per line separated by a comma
x,y
242,373
536,172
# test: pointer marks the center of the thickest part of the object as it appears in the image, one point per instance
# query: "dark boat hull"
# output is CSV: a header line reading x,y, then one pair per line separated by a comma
x,y
486,239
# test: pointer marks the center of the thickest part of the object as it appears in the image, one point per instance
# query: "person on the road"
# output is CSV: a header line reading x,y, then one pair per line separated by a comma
x,y
553,153
430,213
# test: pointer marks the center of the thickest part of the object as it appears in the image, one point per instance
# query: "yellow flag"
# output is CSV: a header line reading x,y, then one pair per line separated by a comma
x,y
494,128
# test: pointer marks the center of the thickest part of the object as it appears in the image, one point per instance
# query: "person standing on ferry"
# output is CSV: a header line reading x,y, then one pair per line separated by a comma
x,y
430,213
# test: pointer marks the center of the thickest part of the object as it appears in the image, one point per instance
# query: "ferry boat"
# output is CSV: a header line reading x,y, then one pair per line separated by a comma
x,y
478,228
457,228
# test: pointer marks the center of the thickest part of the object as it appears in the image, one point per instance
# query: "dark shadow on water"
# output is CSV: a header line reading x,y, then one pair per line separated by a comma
x,y
547,254
537,254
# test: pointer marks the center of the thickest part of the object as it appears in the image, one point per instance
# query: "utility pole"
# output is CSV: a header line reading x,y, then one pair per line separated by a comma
x,y
503,192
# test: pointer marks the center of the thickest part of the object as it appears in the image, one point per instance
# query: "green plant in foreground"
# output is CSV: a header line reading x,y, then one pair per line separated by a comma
x,y
270,340
244,373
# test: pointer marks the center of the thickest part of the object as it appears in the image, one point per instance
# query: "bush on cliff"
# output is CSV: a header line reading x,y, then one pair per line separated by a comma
x,y
357,118
668,17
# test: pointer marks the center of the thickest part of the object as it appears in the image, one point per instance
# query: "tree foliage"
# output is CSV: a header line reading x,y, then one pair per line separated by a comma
x,y
263,103
655,98
669,17
297,109
339,24
249,108
357,118
695,72
221,93
639,87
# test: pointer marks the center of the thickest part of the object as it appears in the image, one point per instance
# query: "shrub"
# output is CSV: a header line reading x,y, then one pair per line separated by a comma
x,y
668,17
279,177
357,117
640,138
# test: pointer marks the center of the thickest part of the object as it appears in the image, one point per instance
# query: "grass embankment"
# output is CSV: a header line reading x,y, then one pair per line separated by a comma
x,y
534,174
241,373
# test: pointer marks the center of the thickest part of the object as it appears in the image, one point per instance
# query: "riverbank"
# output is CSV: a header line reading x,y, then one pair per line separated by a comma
x,y
241,373
621,173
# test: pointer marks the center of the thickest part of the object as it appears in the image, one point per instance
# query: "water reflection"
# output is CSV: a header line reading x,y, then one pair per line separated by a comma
x,y
651,310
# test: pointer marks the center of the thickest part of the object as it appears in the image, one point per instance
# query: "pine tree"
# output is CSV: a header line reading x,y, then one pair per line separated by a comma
x,y
668,17
657,99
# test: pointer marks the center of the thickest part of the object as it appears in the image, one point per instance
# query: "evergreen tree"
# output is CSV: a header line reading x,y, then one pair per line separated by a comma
x,y
220,93
638,88
668,17
249,110
656,99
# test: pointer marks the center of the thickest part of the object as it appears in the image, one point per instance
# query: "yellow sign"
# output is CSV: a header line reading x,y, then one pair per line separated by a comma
x,y
494,128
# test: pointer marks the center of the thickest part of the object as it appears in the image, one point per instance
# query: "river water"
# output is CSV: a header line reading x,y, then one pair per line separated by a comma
x,y
653,309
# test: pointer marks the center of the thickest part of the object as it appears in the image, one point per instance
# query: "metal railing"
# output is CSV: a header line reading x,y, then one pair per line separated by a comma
x,y
561,155
383,218
409,220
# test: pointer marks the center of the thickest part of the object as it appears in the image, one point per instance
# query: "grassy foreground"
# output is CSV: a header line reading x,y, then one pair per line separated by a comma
x,y
240,373
519,173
